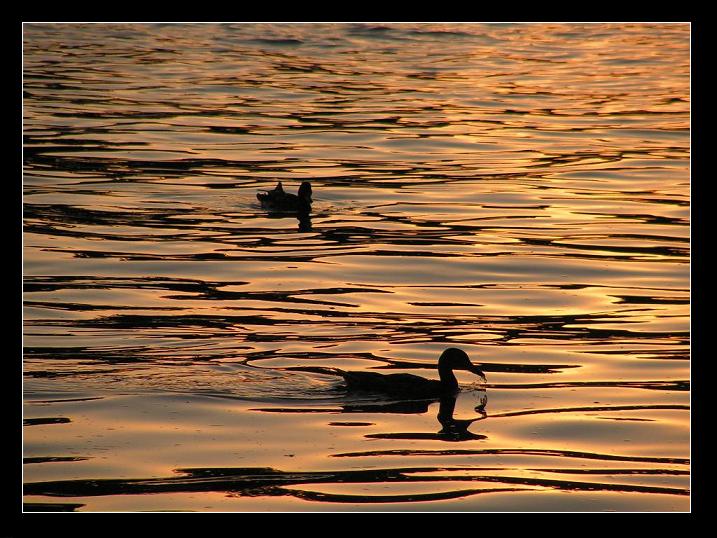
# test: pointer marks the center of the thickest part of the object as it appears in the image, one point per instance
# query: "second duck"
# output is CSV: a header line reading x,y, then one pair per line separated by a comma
x,y
279,200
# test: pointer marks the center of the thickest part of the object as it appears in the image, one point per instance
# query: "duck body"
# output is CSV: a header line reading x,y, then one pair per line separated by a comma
x,y
408,385
413,386
282,201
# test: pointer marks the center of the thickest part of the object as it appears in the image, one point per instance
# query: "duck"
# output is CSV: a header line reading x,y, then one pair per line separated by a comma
x,y
279,200
413,386
406,386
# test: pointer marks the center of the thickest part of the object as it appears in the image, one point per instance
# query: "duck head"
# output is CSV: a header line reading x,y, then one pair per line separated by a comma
x,y
456,359
305,191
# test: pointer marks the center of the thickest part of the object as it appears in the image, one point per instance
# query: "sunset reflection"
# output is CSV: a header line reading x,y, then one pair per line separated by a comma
x,y
518,191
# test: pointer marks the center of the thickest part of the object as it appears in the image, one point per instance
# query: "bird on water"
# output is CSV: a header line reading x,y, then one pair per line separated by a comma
x,y
407,386
280,200
412,385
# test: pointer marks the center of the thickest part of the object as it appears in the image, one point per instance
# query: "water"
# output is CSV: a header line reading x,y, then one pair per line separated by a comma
x,y
520,191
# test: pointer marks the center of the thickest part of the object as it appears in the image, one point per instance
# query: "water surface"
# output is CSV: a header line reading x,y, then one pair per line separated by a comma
x,y
520,191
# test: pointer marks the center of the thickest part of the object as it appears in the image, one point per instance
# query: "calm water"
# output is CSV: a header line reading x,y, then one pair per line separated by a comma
x,y
518,191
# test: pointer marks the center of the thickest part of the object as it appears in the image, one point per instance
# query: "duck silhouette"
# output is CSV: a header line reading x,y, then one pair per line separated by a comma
x,y
414,386
406,386
282,201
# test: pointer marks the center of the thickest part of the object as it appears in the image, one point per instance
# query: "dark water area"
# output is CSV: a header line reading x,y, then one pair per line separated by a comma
x,y
518,191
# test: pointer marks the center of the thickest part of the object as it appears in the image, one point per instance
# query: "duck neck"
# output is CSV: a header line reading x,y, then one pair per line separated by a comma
x,y
448,379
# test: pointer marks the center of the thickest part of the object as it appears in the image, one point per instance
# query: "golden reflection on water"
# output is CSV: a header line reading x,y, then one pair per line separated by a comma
x,y
519,191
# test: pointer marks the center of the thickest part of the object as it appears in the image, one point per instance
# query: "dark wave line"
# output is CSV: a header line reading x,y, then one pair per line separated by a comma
x,y
61,282
298,410
59,400
269,481
589,408
50,507
654,250
681,385
291,256
676,472
83,307
404,498
514,451
52,459
44,421
579,486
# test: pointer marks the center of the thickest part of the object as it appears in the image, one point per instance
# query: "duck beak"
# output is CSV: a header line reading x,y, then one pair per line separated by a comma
x,y
478,372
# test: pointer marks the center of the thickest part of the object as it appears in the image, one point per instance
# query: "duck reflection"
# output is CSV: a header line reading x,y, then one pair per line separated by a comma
x,y
457,429
452,429
304,222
